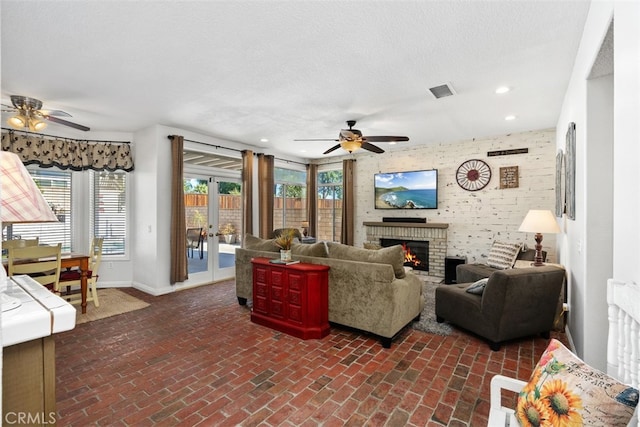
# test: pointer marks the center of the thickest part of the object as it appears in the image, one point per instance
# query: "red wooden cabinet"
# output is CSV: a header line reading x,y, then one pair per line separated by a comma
x,y
293,299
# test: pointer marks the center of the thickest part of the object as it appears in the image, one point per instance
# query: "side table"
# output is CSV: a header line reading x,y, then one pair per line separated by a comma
x,y
560,322
293,299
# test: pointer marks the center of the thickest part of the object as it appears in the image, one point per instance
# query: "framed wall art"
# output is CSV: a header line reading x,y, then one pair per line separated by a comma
x,y
509,177
570,172
559,182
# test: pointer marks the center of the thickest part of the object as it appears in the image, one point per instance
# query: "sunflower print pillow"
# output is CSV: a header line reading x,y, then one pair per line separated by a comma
x,y
565,391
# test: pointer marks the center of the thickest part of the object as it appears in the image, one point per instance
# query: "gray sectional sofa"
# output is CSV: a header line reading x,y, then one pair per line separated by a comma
x,y
369,290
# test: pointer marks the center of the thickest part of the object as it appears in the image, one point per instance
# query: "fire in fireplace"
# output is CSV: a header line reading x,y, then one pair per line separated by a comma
x,y
416,252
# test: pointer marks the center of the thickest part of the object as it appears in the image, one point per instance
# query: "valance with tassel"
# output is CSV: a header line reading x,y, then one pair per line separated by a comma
x,y
66,153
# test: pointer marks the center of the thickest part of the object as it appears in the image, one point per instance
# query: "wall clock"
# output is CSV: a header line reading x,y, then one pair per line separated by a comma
x,y
473,175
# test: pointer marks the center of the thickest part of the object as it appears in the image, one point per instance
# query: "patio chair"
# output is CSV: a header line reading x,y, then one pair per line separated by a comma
x,y
194,241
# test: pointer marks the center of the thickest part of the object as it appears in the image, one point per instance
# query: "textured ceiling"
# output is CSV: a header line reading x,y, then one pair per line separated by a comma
x,y
282,70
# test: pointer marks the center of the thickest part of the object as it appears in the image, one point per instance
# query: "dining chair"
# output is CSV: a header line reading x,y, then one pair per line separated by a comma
x,y
71,278
19,243
42,263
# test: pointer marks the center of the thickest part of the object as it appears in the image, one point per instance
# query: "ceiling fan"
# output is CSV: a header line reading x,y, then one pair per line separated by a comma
x,y
352,139
30,115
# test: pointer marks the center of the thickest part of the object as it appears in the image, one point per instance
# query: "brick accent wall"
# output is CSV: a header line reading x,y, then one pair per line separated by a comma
x,y
477,218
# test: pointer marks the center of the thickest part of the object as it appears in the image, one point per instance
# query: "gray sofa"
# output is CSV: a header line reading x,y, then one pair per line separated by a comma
x,y
368,290
515,303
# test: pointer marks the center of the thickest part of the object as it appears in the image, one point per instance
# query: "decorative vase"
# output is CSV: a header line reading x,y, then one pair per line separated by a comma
x,y
285,254
228,238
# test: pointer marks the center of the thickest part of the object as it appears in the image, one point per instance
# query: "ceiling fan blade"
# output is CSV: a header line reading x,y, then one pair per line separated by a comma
x,y
58,113
334,148
386,138
317,139
65,122
372,147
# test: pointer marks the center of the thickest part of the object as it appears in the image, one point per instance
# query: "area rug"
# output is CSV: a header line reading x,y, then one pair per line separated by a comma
x,y
427,322
112,302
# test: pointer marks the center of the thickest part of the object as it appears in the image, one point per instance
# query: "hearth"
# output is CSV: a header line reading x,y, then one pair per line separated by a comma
x,y
416,252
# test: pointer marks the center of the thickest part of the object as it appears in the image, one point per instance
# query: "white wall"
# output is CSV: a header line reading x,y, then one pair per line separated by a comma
x,y
587,316
152,207
475,218
626,265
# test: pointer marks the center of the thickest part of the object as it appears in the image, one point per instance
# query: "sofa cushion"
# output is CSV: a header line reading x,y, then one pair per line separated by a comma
x,y
477,287
393,255
315,249
258,244
502,255
564,390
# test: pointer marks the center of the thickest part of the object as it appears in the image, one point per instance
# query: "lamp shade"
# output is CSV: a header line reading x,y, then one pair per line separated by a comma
x,y
539,221
21,199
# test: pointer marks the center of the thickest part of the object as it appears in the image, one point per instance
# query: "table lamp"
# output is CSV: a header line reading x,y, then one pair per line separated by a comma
x,y
539,221
305,228
21,202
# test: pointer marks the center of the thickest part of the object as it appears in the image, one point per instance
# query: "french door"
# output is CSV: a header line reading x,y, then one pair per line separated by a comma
x,y
213,207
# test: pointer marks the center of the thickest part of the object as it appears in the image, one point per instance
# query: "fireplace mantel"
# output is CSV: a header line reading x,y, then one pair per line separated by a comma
x,y
407,224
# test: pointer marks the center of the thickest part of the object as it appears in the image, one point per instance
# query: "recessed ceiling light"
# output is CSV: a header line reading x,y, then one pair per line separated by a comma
x,y
264,140
502,89
392,143
511,117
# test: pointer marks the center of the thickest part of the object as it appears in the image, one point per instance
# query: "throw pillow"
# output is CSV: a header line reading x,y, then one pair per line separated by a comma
x,y
393,255
258,244
372,246
563,390
315,249
503,255
477,288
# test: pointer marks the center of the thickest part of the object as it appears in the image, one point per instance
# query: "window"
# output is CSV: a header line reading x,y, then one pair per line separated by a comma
x,y
108,205
290,198
55,186
330,205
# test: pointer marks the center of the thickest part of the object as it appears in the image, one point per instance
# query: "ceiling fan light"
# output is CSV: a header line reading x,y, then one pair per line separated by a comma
x,y
37,125
17,122
350,146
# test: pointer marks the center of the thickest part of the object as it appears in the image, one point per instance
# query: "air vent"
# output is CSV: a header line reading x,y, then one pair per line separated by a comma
x,y
442,91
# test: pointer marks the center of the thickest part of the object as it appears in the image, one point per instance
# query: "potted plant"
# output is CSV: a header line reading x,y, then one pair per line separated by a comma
x,y
284,241
228,231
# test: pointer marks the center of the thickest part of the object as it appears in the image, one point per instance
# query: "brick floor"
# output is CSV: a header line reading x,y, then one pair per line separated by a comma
x,y
194,358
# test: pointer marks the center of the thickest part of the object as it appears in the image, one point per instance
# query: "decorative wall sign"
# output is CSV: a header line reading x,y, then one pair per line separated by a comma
x,y
559,182
509,177
570,172
473,175
507,152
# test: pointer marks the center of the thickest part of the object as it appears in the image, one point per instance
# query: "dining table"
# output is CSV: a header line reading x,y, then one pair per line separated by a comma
x,y
71,260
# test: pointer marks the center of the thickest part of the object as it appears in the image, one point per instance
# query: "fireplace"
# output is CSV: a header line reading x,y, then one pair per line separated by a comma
x,y
416,252
432,232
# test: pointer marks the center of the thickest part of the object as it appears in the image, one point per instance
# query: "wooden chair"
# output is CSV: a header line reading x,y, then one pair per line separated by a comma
x,y
42,263
19,243
73,277
194,240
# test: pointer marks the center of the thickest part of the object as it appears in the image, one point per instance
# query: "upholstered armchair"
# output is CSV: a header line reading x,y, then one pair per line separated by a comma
x,y
514,303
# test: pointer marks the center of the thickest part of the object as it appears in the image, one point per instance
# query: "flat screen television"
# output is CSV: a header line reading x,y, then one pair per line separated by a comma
x,y
406,190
